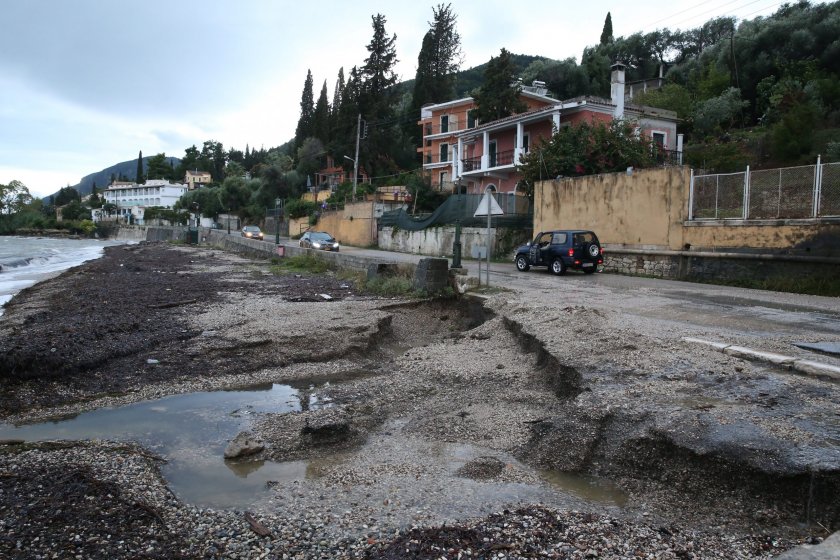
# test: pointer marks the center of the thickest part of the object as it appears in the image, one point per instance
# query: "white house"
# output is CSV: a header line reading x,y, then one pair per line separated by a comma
x,y
131,199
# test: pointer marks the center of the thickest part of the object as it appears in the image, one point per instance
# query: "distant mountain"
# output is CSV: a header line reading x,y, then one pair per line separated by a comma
x,y
123,169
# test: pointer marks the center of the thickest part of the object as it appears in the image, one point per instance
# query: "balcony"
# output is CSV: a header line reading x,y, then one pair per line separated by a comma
x,y
498,159
436,158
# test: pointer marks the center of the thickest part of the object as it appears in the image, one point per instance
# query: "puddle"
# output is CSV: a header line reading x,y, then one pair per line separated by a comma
x,y
191,431
586,487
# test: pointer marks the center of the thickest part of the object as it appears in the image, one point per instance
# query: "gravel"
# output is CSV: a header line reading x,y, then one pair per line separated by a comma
x,y
442,422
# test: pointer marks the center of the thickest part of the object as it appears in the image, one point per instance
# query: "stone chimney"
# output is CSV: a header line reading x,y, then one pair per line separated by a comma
x,y
617,89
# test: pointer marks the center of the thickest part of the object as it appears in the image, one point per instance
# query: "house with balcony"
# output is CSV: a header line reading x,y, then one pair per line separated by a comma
x,y
487,155
196,179
442,122
131,199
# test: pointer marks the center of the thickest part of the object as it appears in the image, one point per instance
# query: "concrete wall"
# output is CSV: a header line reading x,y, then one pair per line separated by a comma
x,y
354,225
644,209
648,209
150,233
438,241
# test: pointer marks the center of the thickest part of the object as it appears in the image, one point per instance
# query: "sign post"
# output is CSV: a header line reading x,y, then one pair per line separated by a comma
x,y
487,207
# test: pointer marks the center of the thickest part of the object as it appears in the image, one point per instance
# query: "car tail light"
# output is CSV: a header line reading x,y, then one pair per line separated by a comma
x,y
571,252
577,262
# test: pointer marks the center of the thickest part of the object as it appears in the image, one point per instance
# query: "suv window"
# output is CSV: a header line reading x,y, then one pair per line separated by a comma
x,y
582,238
559,238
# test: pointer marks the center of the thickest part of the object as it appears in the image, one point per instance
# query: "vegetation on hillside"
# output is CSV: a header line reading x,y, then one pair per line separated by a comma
x,y
763,92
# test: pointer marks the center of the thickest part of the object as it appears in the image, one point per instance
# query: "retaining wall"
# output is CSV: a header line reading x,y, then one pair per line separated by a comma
x,y
438,241
706,266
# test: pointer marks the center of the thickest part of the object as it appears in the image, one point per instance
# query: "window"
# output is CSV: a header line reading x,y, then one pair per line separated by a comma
x,y
444,123
658,138
526,142
444,152
443,178
559,238
492,153
470,120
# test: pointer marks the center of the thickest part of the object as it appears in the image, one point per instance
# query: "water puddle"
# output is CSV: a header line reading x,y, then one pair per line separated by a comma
x,y
191,431
586,487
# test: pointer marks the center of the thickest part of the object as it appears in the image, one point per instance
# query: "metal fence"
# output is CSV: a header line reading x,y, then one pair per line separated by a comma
x,y
810,191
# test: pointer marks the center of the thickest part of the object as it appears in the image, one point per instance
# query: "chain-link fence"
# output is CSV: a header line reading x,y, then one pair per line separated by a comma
x,y
517,213
792,192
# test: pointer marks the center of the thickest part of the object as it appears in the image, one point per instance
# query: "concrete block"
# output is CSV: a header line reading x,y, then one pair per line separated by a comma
x,y
817,369
716,345
750,354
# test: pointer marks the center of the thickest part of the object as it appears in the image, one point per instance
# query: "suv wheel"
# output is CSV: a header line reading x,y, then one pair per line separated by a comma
x,y
593,250
558,267
522,264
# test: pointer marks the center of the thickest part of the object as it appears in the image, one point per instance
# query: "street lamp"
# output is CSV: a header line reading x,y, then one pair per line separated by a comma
x,y
355,174
277,203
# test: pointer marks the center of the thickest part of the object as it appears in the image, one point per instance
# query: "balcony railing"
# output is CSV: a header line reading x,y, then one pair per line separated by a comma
x,y
432,158
453,126
494,160
667,157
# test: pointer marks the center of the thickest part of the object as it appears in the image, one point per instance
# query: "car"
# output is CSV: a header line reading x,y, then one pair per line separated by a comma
x,y
319,240
252,232
561,250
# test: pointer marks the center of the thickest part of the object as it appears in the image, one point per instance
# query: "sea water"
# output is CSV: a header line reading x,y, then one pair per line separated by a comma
x,y
25,261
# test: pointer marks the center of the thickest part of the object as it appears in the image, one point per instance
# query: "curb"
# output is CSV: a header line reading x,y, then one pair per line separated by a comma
x,y
808,367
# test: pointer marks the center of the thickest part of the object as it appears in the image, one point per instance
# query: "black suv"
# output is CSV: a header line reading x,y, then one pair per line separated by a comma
x,y
560,250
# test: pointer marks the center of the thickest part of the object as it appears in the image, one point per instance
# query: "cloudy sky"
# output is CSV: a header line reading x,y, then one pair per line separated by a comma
x,y
85,84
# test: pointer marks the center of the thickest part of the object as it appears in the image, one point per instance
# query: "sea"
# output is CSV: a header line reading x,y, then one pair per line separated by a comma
x,y
25,261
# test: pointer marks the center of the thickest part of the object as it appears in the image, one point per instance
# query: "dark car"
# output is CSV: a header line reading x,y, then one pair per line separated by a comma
x,y
319,240
561,250
252,232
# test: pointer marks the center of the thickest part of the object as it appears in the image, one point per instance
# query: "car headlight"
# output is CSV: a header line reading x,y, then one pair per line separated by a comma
x,y
316,245
335,245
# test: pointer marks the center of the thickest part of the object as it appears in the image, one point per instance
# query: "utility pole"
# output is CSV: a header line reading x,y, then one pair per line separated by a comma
x,y
356,159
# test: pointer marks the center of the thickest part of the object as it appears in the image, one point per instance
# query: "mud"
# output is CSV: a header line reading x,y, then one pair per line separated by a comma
x,y
441,410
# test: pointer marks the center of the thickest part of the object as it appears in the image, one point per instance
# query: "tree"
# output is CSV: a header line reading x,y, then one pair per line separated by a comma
x,y
586,149
309,156
437,63
377,98
66,195
14,197
321,117
307,111
138,175
498,97
158,167
439,59
607,33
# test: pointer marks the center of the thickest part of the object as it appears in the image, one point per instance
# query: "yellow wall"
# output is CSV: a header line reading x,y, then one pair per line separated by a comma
x,y
649,210
352,226
644,209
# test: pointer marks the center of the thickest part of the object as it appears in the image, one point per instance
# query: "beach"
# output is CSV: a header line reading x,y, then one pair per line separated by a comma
x,y
421,428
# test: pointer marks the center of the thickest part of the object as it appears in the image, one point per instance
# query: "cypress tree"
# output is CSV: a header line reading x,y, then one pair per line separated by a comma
x,y
139,173
498,96
321,117
607,33
307,110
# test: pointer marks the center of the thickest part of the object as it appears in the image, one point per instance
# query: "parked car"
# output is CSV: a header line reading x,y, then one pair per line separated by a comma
x,y
252,232
561,250
319,240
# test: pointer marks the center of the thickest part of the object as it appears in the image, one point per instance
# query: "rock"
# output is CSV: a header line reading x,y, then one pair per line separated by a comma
x,y
243,445
328,427
828,550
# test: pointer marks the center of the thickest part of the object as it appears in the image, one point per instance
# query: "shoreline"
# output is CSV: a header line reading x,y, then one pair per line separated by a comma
x,y
239,323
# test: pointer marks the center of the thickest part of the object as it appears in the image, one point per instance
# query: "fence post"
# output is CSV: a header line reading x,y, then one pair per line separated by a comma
x,y
746,212
691,197
717,194
817,187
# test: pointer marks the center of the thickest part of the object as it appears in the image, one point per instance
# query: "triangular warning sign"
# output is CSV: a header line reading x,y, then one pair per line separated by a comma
x,y
488,202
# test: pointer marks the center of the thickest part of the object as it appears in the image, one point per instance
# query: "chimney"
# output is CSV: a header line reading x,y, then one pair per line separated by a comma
x,y
617,89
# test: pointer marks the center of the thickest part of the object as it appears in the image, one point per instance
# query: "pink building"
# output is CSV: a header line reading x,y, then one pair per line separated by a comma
x,y
481,156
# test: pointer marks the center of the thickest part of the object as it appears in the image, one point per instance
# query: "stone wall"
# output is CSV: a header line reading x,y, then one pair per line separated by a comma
x,y
706,266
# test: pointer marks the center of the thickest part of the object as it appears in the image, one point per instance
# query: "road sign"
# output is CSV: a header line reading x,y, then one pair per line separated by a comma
x,y
487,201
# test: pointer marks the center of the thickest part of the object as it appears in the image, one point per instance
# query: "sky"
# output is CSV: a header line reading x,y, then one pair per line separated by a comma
x,y
86,84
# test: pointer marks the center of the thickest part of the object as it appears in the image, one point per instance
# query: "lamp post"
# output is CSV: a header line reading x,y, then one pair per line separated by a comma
x,y
456,244
355,172
277,203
